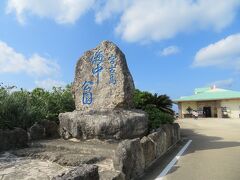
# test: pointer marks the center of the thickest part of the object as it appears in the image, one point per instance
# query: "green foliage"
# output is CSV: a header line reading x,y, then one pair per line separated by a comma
x,y
157,117
162,102
23,108
158,107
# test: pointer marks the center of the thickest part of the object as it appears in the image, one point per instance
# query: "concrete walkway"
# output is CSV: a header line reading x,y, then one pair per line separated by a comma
x,y
214,153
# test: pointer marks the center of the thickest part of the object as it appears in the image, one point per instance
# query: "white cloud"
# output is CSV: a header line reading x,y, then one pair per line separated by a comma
x,y
226,83
111,7
140,20
224,54
14,62
49,83
155,20
62,11
170,50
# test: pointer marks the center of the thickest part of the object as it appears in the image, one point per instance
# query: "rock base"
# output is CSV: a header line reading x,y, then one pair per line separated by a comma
x,y
115,160
84,172
114,124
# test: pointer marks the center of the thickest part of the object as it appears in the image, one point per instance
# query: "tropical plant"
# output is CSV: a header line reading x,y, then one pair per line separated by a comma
x,y
158,107
157,117
189,110
162,102
22,108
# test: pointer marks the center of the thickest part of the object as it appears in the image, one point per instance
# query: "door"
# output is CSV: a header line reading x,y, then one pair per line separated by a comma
x,y
207,111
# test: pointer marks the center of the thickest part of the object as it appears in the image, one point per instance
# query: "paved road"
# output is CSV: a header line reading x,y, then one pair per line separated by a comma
x,y
214,153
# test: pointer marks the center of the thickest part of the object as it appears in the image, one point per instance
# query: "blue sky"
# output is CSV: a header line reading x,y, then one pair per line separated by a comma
x,y
171,46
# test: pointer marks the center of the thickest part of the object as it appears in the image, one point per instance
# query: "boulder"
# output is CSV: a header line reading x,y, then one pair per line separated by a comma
x,y
102,79
149,150
115,124
159,138
168,128
82,172
103,90
50,129
44,129
12,139
129,158
21,137
36,132
111,175
176,132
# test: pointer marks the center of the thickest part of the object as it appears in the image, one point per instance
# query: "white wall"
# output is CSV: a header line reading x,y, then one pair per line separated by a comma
x,y
185,105
233,106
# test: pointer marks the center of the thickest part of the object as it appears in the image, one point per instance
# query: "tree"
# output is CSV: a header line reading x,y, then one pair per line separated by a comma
x,y
158,107
189,110
162,102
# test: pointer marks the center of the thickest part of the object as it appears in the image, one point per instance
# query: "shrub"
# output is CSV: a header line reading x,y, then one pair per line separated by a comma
x,y
157,117
23,108
158,107
144,98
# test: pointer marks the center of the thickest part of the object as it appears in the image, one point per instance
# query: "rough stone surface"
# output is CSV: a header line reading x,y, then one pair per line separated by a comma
x,y
111,175
36,132
117,124
89,147
176,135
24,168
168,128
50,129
83,172
134,156
116,160
129,158
149,150
44,129
159,138
62,157
102,79
11,139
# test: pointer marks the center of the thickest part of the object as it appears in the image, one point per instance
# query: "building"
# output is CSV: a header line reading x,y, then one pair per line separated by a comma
x,y
210,102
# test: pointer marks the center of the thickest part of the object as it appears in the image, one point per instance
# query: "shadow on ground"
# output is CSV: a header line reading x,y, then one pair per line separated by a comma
x,y
204,142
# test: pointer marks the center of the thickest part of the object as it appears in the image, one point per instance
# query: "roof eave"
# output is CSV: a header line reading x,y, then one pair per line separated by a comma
x,y
192,100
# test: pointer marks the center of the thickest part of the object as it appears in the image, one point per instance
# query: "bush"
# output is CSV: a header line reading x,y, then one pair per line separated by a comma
x,y
158,107
144,98
23,108
157,117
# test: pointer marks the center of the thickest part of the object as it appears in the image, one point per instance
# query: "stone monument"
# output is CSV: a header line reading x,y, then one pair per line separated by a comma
x,y
103,90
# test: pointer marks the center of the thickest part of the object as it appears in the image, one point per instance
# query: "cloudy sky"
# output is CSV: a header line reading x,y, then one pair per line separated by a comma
x,y
171,46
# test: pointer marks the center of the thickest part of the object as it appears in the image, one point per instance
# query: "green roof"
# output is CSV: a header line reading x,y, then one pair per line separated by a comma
x,y
206,94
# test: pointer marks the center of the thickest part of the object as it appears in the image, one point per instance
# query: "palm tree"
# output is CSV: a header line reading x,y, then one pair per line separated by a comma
x,y
162,102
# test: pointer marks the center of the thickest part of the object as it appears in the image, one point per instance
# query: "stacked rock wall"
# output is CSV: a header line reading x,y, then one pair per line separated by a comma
x,y
134,156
